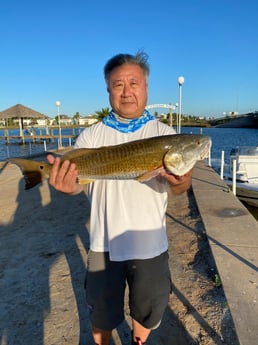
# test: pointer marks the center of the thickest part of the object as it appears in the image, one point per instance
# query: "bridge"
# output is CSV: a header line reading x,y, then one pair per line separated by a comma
x,y
169,106
249,120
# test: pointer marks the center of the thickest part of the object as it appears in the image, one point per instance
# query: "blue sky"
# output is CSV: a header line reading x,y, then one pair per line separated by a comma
x,y
56,49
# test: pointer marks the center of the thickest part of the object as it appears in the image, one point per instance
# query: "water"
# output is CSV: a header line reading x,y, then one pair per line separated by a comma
x,y
226,138
253,210
16,150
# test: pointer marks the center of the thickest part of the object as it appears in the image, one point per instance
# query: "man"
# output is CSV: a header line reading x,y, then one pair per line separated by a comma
x,y
128,242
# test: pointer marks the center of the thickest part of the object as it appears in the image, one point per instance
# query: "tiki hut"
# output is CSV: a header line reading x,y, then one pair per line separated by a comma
x,y
21,112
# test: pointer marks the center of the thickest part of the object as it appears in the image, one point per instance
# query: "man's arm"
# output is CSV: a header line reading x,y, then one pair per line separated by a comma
x,y
63,177
179,184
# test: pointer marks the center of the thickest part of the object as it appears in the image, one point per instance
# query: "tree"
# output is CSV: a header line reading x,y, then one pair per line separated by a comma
x,y
100,114
76,118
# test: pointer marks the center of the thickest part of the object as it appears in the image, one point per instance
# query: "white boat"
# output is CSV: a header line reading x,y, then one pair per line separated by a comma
x,y
243,176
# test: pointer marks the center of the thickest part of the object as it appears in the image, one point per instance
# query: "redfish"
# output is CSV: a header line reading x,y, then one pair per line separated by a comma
x,y
141,159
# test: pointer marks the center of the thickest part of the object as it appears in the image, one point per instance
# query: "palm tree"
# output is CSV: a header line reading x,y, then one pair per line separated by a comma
x,y
76,117
100,114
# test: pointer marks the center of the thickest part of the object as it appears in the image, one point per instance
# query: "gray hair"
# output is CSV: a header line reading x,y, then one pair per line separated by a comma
x,y
140,59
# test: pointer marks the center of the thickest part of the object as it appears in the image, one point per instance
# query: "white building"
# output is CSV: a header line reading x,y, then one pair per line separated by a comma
x,y
87,120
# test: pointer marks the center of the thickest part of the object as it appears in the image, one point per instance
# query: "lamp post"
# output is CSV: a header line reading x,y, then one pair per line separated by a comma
x,y
170,115
180,81
176,105
58,103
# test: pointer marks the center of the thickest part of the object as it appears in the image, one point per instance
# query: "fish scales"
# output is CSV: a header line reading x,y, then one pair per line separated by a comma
x,y
127,161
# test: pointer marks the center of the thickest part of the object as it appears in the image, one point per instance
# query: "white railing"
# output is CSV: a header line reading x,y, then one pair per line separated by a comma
x,y
222,166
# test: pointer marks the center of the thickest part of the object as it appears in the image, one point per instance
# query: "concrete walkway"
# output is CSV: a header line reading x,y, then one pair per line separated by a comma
x,y
43,254
233,236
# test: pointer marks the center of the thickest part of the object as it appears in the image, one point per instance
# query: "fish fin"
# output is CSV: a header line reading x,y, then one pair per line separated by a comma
x,y
82,180
34,172
150,174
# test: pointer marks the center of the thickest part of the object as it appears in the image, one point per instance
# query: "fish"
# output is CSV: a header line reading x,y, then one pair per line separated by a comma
x,y
141,159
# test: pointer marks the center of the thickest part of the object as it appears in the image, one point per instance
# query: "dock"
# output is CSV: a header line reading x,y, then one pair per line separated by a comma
x,y
22,140
39,136
233,237
43,254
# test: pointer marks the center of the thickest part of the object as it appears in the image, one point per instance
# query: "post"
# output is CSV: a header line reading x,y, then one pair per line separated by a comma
x,y
177,116
170,115
58,103
46,126
234,177
222,165
209,158
180,81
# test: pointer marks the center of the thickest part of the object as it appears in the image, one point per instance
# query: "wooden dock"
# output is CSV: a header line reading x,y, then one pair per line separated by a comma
x,y
38,135
26,139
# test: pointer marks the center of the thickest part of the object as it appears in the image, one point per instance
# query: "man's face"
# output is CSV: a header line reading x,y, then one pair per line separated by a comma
x,y
128,88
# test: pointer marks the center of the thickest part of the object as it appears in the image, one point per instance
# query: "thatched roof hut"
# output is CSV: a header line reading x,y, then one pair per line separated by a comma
x,y
21,112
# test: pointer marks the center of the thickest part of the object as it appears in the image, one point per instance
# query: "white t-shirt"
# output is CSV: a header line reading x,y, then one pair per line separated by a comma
x,y
127,216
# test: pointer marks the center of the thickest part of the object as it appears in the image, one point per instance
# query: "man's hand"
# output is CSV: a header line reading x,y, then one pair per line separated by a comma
x,y
63,177
178,184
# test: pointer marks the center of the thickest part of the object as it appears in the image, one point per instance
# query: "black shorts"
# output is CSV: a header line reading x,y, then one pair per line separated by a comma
x,y
149,285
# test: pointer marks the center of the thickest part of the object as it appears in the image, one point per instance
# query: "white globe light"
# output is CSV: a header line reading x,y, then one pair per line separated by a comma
x,y
180,80
58,103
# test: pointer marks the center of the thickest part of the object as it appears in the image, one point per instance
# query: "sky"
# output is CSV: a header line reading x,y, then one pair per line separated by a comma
x,y
55,50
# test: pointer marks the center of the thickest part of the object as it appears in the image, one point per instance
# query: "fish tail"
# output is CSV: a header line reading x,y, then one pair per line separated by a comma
x,y
34,172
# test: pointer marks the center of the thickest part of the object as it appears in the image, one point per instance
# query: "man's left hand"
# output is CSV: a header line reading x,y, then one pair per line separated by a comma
x,y
179,184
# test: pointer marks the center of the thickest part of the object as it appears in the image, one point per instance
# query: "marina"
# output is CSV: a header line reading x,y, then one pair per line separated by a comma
x,y
72,87
241,173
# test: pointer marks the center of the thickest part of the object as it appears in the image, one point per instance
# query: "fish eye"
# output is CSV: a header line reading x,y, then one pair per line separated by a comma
x,y
41,167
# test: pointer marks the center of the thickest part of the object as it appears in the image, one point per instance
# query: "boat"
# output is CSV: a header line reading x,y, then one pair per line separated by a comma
x,y
241,174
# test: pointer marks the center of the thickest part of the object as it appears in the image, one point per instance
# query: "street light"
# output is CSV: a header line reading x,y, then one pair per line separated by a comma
x,y
58,103
180,81
170,115
176,105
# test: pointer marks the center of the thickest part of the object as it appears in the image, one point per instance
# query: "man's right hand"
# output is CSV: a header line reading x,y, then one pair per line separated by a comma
x,y
63,176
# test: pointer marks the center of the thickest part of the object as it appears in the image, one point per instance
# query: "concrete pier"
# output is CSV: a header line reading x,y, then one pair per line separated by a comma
x,y
233,236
